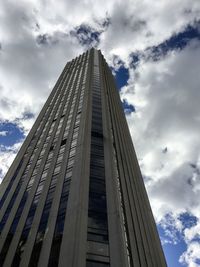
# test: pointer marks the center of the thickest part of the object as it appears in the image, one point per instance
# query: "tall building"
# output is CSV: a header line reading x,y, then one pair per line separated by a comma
x,y
74,195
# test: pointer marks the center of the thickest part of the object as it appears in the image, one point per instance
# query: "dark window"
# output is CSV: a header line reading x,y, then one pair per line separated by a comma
x,y
97,219
51,148
97,141
5,248
97,134
103,238
97,202
55,249
90,263
97,161
97,171
97,186
63,142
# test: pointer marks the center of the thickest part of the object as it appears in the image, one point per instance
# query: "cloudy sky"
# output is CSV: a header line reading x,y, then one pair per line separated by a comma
x,y
153,48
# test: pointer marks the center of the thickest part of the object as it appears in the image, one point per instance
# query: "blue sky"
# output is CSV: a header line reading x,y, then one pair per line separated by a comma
x,y
153,48
10,134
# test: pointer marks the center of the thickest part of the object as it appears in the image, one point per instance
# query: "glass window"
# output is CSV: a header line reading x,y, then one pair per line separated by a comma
x,y
91,263
97,219
97,134
63,142
97,202
44,174
57,169
98,248
59,159
97,237
68,174
97,185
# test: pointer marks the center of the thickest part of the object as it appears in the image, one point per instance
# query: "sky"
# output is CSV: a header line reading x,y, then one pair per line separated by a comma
x,y
153,49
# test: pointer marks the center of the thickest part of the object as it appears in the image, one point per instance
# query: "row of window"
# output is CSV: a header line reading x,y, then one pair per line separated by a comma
x,y
97,210
44,219
57,239
119,188
124,220
39,190
23,200
36,169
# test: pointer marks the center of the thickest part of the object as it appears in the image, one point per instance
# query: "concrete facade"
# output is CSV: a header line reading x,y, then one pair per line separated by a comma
x,y
74,195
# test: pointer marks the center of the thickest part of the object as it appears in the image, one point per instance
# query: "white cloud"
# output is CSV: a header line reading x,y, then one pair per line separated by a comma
x,y
3,133
191,255
165,95
165,127
165,130
29,69
192,233
145,23
7,155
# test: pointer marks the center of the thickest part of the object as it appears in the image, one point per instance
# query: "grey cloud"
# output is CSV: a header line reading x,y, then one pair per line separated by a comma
x,y
89,36
166,96
174,190
37,43
86,35
165,150
138,25
45,39
117,62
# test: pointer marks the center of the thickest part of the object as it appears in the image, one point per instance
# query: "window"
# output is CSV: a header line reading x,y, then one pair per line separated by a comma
x,y
51,148
97,186
97,172
90,263
97,219
98,248
57,170
44,175
97,202
97,134
59,159
97,161
97,237
63,142
68,174
40,187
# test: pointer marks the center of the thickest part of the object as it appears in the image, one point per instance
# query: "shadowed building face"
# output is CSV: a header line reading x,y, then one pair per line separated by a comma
x,y
74,195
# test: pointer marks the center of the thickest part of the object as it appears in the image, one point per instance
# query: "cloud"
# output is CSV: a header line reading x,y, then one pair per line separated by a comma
x,y
177,41
37,38
7,155
192,256
135,27
3,133
86,35
45,39
192,233
165,95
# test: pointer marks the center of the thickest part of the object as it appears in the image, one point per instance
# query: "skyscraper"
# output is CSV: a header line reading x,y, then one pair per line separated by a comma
x,y
74,195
